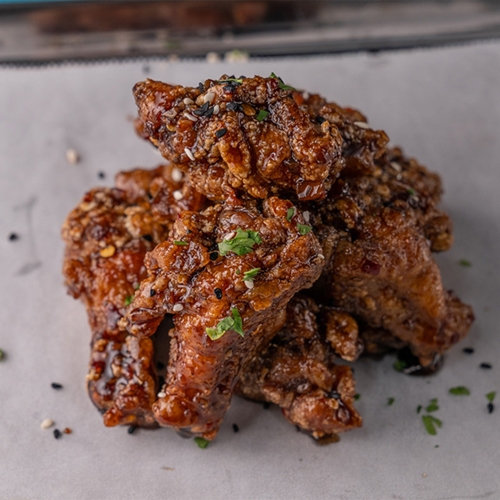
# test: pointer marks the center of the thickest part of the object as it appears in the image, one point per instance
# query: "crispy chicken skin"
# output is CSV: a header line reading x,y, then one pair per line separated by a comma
x,y
296,372
247,135
202,287
107,236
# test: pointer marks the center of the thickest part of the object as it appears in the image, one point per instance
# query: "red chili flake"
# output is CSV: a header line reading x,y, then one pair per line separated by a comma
x,y
67,430
370,267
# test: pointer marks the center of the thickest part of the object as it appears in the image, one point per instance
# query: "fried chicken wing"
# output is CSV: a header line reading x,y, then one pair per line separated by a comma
x,y
247,135
296,372
227,274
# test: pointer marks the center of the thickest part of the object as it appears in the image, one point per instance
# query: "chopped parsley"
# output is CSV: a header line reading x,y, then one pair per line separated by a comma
x,y
129,299
136,287
261,115
430,422
433,406
412,191
465,263
233,322
241,244
201,442
281,84
303,229
180,243
290,213
399,365
390,401
357,396
250,275
229,80
1,354
490,396
459,391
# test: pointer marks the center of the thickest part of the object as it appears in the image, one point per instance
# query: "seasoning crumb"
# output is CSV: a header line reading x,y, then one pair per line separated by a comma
x,y
390,401
109,251
72,156
152,292
468,350
436,446
67,430
57,433
486,366
55,385
465,263
101,175
236,428
48,422
491,407
419,408
132,429
177,307
168,468
266,405
212,57
1,354
13,237
424,475
357,396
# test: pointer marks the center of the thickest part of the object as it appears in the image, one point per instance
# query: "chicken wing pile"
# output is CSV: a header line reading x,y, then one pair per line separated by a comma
x,y
282,236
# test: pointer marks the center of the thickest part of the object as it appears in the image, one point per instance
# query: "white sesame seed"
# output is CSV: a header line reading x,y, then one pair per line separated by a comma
x,y
171,113
72,156
216,109
177,175
249,284
212,57
177,307
396,166
306,216
362,125
189,116
230,236
178,195
209,97
189,154
48,422
187,101
305,95
161,394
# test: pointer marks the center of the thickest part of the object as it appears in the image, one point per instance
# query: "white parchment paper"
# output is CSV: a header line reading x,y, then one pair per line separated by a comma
x,y
442,105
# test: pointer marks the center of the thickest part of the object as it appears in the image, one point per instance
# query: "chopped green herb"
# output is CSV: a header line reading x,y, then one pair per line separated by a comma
x,y
201,442
241,244
429,424
303,229
390,401
357,396
1,354
459,391
290,213
411,191
490,396
433,406
250,275
238,271
436,446
180,243
419,408
281,84
129,299
261,115
229,323
465,263
136,287
399,365
228,80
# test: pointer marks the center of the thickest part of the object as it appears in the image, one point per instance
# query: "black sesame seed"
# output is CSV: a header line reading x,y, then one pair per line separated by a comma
x,y
232,106
468,350
334,395
236,428
13,237
148,237
150,196
57,433
101,175
188,231
220,133
320,119
485,366
218,293
298,429
266,405
55,385
209,112
228,88
202,109
152,292
491,407
214,255
132,429
201,87
242,77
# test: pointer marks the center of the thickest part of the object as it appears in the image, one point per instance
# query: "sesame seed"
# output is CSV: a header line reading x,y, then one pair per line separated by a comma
x,y
177,175
189,116
57,433
209,97
306,216
218,293
101,175
13,237
170,113
213,255
334,395
362,125
216,109
132,429
320,119
305,95
109,251
396,166
161,394
266,405
230,236
189,154
249,284
236,428
491,407
55,385
72,156
220,133
147,237
48,422
187,101
178,195
485,366
177,307
232,106
468,350
152,292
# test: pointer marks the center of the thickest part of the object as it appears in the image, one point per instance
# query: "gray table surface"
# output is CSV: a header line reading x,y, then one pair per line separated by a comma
x,y
442,105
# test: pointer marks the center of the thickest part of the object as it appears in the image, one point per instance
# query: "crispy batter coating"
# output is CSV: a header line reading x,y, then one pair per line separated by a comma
x,y
296,372
107,236
202,288
247,135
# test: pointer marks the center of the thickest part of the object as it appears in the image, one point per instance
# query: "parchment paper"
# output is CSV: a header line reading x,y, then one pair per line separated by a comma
x,y
442,105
